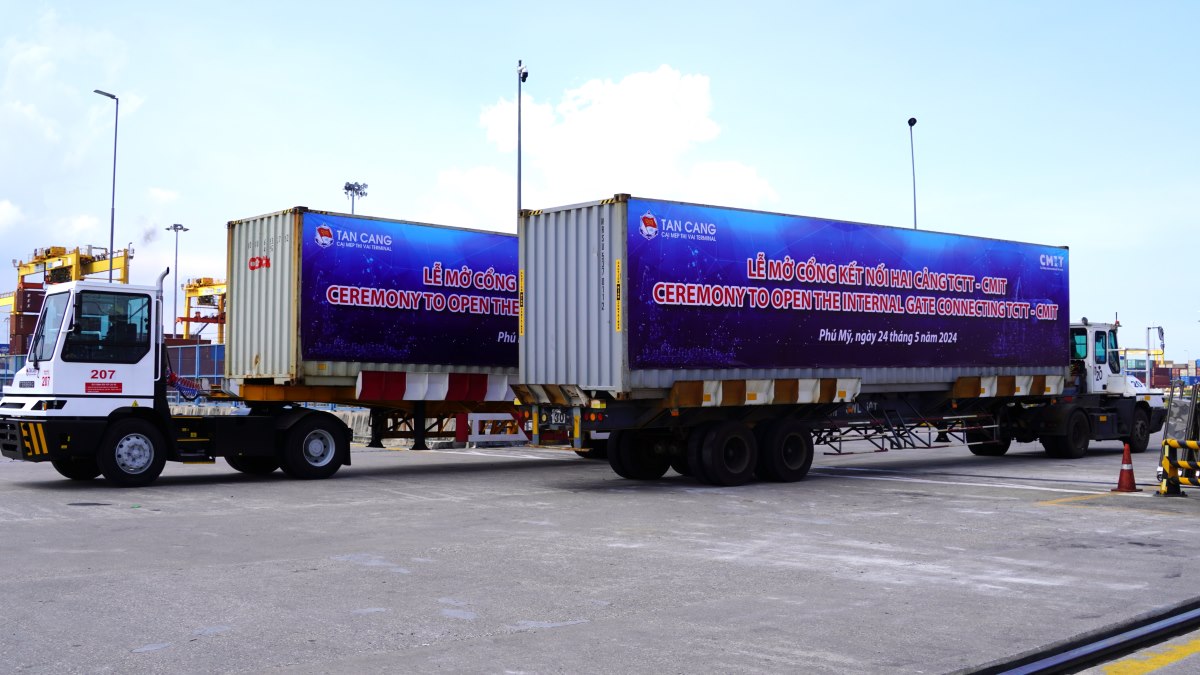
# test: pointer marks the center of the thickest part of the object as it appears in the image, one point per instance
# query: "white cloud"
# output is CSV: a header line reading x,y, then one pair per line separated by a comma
x,y
639,135
73,228
162,195
10,214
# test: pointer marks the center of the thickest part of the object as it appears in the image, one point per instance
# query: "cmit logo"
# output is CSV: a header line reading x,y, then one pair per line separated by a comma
x,y
649,227
324,236
1053,262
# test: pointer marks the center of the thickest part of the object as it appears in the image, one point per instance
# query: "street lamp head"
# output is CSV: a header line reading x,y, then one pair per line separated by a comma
x,y
104,93
176,228
912,121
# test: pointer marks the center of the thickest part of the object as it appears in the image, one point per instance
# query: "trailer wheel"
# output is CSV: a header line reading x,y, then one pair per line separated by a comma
x,y
982,444
785,452
729,454
1075,443
314,448
77,468
256,466
629,458
1139,431
680,464
131,454
695,441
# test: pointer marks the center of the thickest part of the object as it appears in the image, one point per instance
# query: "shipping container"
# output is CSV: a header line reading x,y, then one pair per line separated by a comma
x,y
318,298
630,294
725,343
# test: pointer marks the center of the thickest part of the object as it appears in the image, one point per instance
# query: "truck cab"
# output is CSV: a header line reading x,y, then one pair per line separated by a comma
x,y
92,400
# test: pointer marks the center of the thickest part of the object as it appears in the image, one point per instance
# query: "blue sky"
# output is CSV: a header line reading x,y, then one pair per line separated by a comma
x,y
1064,123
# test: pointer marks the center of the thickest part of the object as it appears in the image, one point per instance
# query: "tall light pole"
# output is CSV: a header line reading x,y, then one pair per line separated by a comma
x,y
354,190
112,212
522,75
176,228
912,122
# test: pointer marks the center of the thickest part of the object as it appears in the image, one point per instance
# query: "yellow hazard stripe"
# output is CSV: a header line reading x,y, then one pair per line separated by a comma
x,y
1192,445
35,438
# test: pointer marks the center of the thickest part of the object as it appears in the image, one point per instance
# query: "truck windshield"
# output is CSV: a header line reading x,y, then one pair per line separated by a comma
x,y
46,337
109,328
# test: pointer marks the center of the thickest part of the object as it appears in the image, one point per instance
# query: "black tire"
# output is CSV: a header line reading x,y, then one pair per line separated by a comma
x,y
729,454
1055,446
256,466
77,468
617,440
695,441
314,448
132,453
785,452
981,443
762,432
680,464
1139,431
637,457
1078,436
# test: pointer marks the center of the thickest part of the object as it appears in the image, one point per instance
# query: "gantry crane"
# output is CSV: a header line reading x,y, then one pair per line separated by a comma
x,y
55,264
204,292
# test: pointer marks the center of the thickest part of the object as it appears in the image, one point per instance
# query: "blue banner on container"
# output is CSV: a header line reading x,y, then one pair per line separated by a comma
x,y
393,292
722,288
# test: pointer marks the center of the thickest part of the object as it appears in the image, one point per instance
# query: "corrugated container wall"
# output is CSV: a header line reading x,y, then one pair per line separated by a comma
x,y
316,297
261,310
570,296
598,314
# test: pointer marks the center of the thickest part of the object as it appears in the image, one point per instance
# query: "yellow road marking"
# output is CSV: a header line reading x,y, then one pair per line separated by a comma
x,y
1068,500
1153,662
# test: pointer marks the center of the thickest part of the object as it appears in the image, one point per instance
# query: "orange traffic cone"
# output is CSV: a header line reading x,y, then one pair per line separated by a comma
x,y
1125,482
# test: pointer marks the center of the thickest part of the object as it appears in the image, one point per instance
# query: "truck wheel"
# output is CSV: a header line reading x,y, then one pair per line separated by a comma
x,y
257,466
1139,431
981,443
77,468
1075,443
680,464
314,448
630,458
695,441
785,452
729,454
132,453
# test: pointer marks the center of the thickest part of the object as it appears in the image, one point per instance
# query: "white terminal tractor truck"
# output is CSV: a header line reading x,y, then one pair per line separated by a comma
x,y
412,320
725,343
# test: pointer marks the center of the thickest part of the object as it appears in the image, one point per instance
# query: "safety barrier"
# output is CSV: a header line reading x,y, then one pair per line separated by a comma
x,y
1181,441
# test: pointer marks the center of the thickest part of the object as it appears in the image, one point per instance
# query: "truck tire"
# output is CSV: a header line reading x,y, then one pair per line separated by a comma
x,y
1078,436
729,454
695,441
1139,431
314,448
255,466
785,452
679,463
630,458
132,453
77,468
982,443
